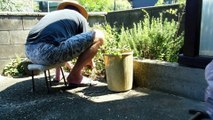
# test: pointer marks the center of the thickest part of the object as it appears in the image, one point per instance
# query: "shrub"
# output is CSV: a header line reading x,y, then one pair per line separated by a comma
x,y
105,5
16,68
154,38
18,6
162,2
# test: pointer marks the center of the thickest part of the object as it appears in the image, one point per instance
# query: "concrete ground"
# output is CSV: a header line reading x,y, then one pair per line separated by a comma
x,y
17,102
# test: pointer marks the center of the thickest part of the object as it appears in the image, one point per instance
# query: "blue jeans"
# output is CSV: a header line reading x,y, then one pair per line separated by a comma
x,y
49,54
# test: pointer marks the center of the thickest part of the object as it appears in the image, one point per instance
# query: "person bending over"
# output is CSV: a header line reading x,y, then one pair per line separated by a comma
x,y
62,35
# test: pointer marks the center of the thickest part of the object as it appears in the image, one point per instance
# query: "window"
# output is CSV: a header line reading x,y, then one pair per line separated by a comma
x,y
198,43
48,5
206,32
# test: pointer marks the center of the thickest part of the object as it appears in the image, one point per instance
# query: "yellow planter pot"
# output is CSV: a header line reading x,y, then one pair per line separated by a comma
x,y
119,71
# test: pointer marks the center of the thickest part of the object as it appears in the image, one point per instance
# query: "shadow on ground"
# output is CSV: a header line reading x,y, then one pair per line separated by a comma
x,y
88,103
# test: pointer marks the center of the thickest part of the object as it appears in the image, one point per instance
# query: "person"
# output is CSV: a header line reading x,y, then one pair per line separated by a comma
x,y
209,89
62,35
208,113
58,73
69,66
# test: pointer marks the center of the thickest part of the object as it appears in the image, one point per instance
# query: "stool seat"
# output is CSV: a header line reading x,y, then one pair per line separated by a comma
x,y
42,67
35,67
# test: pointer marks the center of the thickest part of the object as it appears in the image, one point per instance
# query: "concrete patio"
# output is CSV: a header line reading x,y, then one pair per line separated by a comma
x,y
17,102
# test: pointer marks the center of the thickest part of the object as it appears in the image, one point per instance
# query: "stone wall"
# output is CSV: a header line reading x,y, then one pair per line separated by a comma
x,y
14,28
170,78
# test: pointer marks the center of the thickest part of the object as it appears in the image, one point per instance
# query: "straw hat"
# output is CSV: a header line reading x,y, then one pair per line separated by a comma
x,y
75,4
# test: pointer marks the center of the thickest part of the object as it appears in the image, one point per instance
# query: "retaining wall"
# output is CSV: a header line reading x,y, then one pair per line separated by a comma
x,y
171,78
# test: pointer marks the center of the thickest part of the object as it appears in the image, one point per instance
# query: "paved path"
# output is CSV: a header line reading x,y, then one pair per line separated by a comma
x,y
17,102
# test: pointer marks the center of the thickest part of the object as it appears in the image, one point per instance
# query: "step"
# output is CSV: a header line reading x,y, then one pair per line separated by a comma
x,y
170,78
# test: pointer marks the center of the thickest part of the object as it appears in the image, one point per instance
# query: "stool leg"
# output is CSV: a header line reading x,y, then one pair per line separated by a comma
x,y
49,78
65,83
46,79
196,116
33,84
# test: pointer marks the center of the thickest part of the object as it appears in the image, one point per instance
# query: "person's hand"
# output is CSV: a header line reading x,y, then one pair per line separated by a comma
x,y
99,34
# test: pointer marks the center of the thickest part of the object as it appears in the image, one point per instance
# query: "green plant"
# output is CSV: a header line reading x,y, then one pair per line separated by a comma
x,y
154,38
13,68
122,5
17,68
162,2
18,5
105,5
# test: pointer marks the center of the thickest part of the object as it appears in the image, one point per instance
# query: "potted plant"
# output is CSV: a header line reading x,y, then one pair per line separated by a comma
x,y
119,70
118,60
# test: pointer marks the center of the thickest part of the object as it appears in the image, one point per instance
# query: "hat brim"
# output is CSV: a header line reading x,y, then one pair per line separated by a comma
x,y
80,8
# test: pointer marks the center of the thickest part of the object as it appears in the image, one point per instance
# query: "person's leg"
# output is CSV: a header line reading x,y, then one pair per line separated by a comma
x,y
69,65
90,64
209,89
85,58
57,74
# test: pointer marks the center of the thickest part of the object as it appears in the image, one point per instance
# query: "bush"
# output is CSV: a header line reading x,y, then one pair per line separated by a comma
x,y
104,5
18,6
162,2
152,38
17,68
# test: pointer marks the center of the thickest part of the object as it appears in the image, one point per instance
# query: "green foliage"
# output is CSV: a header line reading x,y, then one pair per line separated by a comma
x,y
104,5
17,6
113,43
152,38
110,43
162,2
122,5
14,69
18,68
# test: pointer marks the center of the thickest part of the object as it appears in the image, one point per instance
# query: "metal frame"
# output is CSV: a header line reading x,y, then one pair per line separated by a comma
x,y
190,56
47,79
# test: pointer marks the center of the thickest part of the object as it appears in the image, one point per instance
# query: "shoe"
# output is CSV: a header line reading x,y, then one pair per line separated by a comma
x,y
85,82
